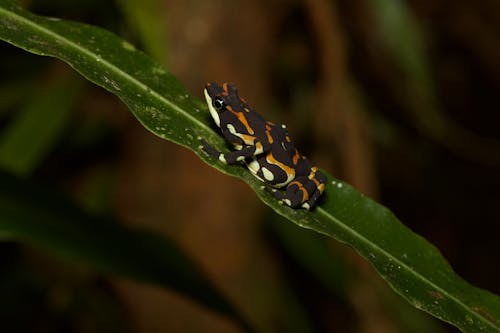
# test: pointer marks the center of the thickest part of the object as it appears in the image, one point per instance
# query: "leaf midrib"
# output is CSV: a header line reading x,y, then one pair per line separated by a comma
x,y
405,266
106,63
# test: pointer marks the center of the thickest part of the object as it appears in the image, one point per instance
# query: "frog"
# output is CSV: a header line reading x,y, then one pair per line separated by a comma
x,y
264,147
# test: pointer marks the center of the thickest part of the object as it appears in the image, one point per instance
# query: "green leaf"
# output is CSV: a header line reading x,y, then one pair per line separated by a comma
x,y
315,254
13,92
414,268
403,37
37,126
148,19
312,252
47,220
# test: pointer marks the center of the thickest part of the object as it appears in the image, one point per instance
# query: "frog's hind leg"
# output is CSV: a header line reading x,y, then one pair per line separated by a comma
x,y
297,192
305,191
313,199
319,180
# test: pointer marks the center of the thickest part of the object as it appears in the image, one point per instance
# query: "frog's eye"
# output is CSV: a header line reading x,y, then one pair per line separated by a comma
x,y
218,103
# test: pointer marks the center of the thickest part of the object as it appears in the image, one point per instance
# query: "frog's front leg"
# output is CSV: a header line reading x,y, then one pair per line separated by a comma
x,y
233,157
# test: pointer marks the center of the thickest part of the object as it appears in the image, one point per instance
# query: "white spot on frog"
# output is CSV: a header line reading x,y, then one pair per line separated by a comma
x,y
254,166
231,129
268,175
213,111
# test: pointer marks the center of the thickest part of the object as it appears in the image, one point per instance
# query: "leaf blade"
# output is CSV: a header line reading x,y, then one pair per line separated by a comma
x,y
35,130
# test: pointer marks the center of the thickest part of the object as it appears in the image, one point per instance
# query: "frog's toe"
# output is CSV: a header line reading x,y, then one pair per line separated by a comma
x,y
209,149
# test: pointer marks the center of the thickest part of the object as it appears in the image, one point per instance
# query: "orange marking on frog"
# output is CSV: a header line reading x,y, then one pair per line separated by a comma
x,y
241,118
268,134
289,171
296,157
305,195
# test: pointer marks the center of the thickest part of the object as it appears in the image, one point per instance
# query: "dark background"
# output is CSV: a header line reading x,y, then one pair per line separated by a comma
x,y
398,98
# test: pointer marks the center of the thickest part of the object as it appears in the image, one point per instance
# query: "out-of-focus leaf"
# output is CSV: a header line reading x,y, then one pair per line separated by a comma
x,y
312,252
405,41
12,92
37,126
413,267
148,19
32,214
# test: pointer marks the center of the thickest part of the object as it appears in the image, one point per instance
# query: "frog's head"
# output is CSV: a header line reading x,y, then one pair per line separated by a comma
x,y
218,98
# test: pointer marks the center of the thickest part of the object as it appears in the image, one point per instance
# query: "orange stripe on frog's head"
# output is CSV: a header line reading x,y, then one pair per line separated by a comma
x,y
295,158
225,92
216,90
228,94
